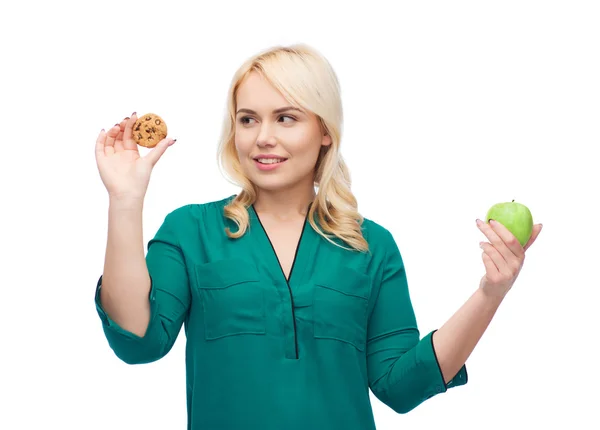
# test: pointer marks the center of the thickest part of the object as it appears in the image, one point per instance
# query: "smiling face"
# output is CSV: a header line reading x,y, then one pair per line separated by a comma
x,y
277,144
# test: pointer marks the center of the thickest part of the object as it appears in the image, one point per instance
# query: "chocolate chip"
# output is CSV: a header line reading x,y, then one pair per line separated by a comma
x,y
157,122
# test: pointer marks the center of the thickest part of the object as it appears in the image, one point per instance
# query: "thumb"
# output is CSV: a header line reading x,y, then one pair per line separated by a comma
x,y
154,155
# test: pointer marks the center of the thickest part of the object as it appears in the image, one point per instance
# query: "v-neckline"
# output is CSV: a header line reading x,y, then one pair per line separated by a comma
x,y
273,252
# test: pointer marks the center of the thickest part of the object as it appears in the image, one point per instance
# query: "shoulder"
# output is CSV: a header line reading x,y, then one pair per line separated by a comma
x,y
376,233
379,237
199,211
195,219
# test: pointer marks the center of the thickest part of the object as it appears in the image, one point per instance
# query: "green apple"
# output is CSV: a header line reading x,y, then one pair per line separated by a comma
x,y
516,217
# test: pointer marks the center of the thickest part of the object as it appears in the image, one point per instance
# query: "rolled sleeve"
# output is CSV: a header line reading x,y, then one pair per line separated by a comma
x,y
169,299
428,357
403,368
429,364
112,326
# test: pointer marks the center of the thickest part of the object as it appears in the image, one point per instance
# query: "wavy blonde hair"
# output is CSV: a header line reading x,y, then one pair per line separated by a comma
x,y
307,81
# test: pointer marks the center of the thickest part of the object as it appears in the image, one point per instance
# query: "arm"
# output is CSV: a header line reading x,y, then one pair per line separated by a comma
x,y
144,305
403,369
503,259
126,281
456,339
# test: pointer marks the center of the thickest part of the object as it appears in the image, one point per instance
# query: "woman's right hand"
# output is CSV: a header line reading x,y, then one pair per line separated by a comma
x,y
123,171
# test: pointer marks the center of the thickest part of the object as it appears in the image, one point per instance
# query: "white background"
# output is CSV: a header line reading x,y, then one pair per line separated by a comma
x,y
450,107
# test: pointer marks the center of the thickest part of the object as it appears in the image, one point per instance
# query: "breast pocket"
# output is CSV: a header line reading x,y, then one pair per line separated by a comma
x,y
232,298
340,306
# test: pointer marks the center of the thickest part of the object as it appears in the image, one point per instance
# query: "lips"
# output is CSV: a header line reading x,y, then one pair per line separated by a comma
x,y
269,164
269,159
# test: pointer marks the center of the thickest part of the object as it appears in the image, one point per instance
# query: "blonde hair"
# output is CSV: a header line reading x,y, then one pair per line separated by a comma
x,y
308,81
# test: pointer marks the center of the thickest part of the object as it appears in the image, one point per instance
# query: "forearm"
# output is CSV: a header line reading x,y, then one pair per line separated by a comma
x,y
456,339
125,280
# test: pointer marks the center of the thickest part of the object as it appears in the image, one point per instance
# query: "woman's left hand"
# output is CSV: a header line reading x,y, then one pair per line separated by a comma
x,y
503,257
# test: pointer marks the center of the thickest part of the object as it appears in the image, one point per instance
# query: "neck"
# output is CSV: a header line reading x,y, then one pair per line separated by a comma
x,y
284,204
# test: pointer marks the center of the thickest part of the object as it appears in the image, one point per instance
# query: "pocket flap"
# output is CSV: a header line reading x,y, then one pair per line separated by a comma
x,y
225,273
345,280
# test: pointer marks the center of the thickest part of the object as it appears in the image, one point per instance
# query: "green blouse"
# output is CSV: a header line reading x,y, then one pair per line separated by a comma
x,y
270,353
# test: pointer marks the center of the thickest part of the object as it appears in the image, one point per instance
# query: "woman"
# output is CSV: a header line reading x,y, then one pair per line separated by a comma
x,y
293,304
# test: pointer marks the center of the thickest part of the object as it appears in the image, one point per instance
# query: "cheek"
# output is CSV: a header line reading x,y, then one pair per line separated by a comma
x,y
242,142
306,146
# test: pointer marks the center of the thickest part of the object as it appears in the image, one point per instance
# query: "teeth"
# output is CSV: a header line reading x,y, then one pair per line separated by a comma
x,y
269,160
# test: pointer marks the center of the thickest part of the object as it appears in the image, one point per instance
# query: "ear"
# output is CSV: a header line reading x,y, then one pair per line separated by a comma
x,y
326,141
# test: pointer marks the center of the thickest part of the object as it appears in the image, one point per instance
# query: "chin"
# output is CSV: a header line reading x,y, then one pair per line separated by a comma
x,y
271,183
274,181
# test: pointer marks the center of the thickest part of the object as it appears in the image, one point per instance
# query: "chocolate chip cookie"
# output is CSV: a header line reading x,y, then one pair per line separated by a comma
x,y
149,129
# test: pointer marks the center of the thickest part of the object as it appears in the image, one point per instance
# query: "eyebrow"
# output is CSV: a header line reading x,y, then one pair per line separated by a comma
x,y
276,111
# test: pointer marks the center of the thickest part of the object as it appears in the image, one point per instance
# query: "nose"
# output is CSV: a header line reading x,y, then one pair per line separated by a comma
x,y
265,137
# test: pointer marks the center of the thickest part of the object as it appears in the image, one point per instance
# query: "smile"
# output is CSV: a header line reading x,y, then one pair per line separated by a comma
x,y
269,163
270,160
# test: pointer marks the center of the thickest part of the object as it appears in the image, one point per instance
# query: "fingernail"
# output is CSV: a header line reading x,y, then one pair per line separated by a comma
x,y
172,142
493,222
133,113
478,221
126,117
102,130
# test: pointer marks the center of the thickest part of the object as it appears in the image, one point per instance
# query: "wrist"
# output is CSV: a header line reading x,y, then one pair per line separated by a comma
x,y
126,203
490,298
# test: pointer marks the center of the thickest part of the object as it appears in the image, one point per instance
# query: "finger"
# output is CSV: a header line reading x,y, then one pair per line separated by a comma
x,y
109,145
100,140
128,141
509,239
157,152
495,239
499,262
119,142
119,138
537,228
490,268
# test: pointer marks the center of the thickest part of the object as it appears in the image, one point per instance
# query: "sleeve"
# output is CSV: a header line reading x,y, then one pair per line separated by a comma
x,y
403,369
169,302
